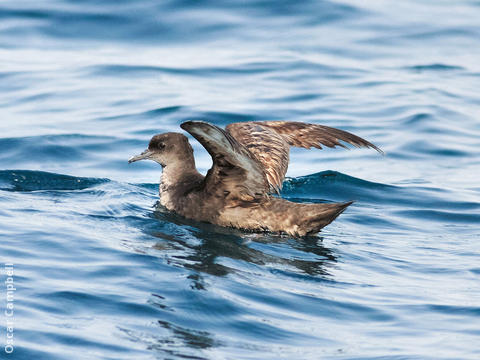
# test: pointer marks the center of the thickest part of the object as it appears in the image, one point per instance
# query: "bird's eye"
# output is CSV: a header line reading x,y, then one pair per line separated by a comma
x,y
161,145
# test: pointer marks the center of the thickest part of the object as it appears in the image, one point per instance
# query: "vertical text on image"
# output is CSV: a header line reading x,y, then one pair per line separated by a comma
x,y
9,308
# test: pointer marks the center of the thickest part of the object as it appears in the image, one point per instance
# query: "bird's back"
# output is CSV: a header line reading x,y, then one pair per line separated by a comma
x,y
280,215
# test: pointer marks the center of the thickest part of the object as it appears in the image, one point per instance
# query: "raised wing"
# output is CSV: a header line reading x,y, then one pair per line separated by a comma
x,y
269,148
311,135
270,141
235,172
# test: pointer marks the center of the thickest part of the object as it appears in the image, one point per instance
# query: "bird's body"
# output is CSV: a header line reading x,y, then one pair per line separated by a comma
x,y
250,161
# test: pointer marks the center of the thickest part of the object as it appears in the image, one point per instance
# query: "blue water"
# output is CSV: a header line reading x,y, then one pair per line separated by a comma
x,y
99,274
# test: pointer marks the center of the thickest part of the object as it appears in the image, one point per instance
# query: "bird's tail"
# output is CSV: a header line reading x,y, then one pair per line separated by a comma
x,y
321,215
299,219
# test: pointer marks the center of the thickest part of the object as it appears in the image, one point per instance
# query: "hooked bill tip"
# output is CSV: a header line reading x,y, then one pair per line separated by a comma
x,y
143,156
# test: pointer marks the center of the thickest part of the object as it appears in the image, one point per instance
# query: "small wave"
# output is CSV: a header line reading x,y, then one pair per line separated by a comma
x,y
54,147
28,180
434,67
418,118
421,148
435,203
333,185
149,70
444,217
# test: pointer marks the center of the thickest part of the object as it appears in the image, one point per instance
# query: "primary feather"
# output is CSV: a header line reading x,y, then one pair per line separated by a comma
x,y
270,142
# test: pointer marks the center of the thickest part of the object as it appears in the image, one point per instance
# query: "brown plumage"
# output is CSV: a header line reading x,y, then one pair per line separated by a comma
x,y
250,161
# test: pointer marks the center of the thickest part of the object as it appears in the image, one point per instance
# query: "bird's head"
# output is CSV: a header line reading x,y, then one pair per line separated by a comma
x,y
165,149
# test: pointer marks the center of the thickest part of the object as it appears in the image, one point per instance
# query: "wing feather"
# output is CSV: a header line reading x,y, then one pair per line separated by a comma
x,y
305,135
270,148
270,141
235,172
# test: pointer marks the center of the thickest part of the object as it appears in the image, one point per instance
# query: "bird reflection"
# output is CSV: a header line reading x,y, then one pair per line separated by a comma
x,y
209,249
203,246
180,342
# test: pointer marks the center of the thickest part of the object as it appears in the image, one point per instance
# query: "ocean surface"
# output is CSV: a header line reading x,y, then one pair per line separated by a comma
x,y
99,273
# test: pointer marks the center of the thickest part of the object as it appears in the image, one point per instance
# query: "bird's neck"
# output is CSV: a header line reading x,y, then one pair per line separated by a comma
x,y
177,173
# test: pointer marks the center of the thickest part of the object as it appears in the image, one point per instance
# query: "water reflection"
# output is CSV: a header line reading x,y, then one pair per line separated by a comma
x,y
179,342
209,250
193,338
202,246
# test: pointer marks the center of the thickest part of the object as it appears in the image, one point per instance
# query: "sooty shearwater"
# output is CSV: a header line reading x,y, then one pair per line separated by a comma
x,y
250,160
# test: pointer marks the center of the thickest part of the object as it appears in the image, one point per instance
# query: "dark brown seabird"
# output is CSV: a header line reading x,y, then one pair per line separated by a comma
x,y
250,160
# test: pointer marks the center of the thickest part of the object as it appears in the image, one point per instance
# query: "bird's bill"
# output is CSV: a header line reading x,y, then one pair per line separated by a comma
x,y
143,156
